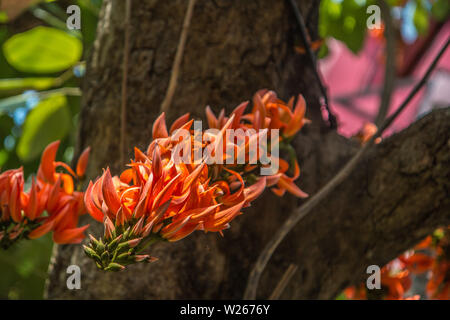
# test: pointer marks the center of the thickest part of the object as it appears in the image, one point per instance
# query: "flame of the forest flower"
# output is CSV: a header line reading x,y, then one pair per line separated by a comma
x,y
430,257
365,133
160,199
51,204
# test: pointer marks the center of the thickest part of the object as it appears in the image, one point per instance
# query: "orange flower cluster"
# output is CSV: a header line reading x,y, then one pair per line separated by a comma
x,y
431,256
268,113
395,282
159,198
51,204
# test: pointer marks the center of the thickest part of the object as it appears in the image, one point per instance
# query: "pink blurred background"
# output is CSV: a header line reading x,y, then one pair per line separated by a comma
x,y
354,81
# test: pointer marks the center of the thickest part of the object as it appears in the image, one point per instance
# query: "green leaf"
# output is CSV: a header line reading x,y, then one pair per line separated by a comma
x,y
26,83
344,21
42,50
420,19
89,14
4,155
440,9
6,124
50,120
323,51
3,17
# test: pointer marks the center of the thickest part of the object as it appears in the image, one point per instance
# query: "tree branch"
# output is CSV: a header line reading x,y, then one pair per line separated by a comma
x,y
178,57
288,274
301,212
395,196
304,35
389,71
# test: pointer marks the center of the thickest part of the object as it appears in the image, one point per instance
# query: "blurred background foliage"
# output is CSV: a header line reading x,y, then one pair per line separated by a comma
x,y
41,66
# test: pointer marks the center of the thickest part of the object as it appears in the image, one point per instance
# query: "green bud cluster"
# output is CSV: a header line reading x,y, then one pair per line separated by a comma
x,y
121,246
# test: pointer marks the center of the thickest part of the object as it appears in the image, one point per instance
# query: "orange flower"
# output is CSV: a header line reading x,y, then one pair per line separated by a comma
x,y
438,287
396,282
286,183
269,113
22,213
366,132
395,276
159,198
355,292
417,262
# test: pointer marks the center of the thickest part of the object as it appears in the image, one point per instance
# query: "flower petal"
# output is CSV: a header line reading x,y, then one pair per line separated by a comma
x,y
159,127
47,166
82,162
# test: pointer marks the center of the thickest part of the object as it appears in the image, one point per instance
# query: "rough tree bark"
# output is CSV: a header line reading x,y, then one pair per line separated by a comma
x,y
396,196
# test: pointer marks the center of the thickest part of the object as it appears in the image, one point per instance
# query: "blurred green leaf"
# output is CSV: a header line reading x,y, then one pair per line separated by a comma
x,y
23,269
345,21
341,296
50,120
4,155
6,124
3,17
420,19
42,50
440,9
89,12
323,51
394,3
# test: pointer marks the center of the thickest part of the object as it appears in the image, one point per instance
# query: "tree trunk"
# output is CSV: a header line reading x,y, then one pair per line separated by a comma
x,y
396,196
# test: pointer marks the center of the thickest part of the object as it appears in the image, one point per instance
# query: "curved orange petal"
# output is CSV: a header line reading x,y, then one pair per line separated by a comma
x,y
82,162
255,190
225,216
109,193
126,176
178,123
168,231
238,112
159,127
41,230
289,185
67,183
184,232
165,194
54,197
279,192
33,201
213,123
47,165
14,202
74,235
296,121
92,209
